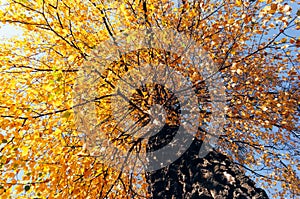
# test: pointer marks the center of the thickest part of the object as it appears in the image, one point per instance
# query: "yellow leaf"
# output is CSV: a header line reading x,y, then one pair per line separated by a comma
x,y
1,137
72,57
264,108
239,71
283,40
273,7
238,2
24,150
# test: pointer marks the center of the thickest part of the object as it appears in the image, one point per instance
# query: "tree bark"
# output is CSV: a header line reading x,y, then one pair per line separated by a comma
x,y
213,177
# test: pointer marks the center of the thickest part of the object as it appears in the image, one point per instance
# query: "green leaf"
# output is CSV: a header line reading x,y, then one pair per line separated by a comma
x,y
66,114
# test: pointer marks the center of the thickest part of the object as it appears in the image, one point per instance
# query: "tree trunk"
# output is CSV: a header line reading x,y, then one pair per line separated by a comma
x,y
191,177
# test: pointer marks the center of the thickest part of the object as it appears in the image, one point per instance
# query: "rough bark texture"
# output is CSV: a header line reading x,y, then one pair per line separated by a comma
x,y
212,177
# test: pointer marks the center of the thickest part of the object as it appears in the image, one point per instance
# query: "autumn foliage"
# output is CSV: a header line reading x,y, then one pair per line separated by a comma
x,y
254,44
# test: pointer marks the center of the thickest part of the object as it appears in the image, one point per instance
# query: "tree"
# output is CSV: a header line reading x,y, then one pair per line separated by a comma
x,y
44,154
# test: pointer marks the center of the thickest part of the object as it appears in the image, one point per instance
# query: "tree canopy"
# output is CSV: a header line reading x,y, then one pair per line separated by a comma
x,y
253,44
